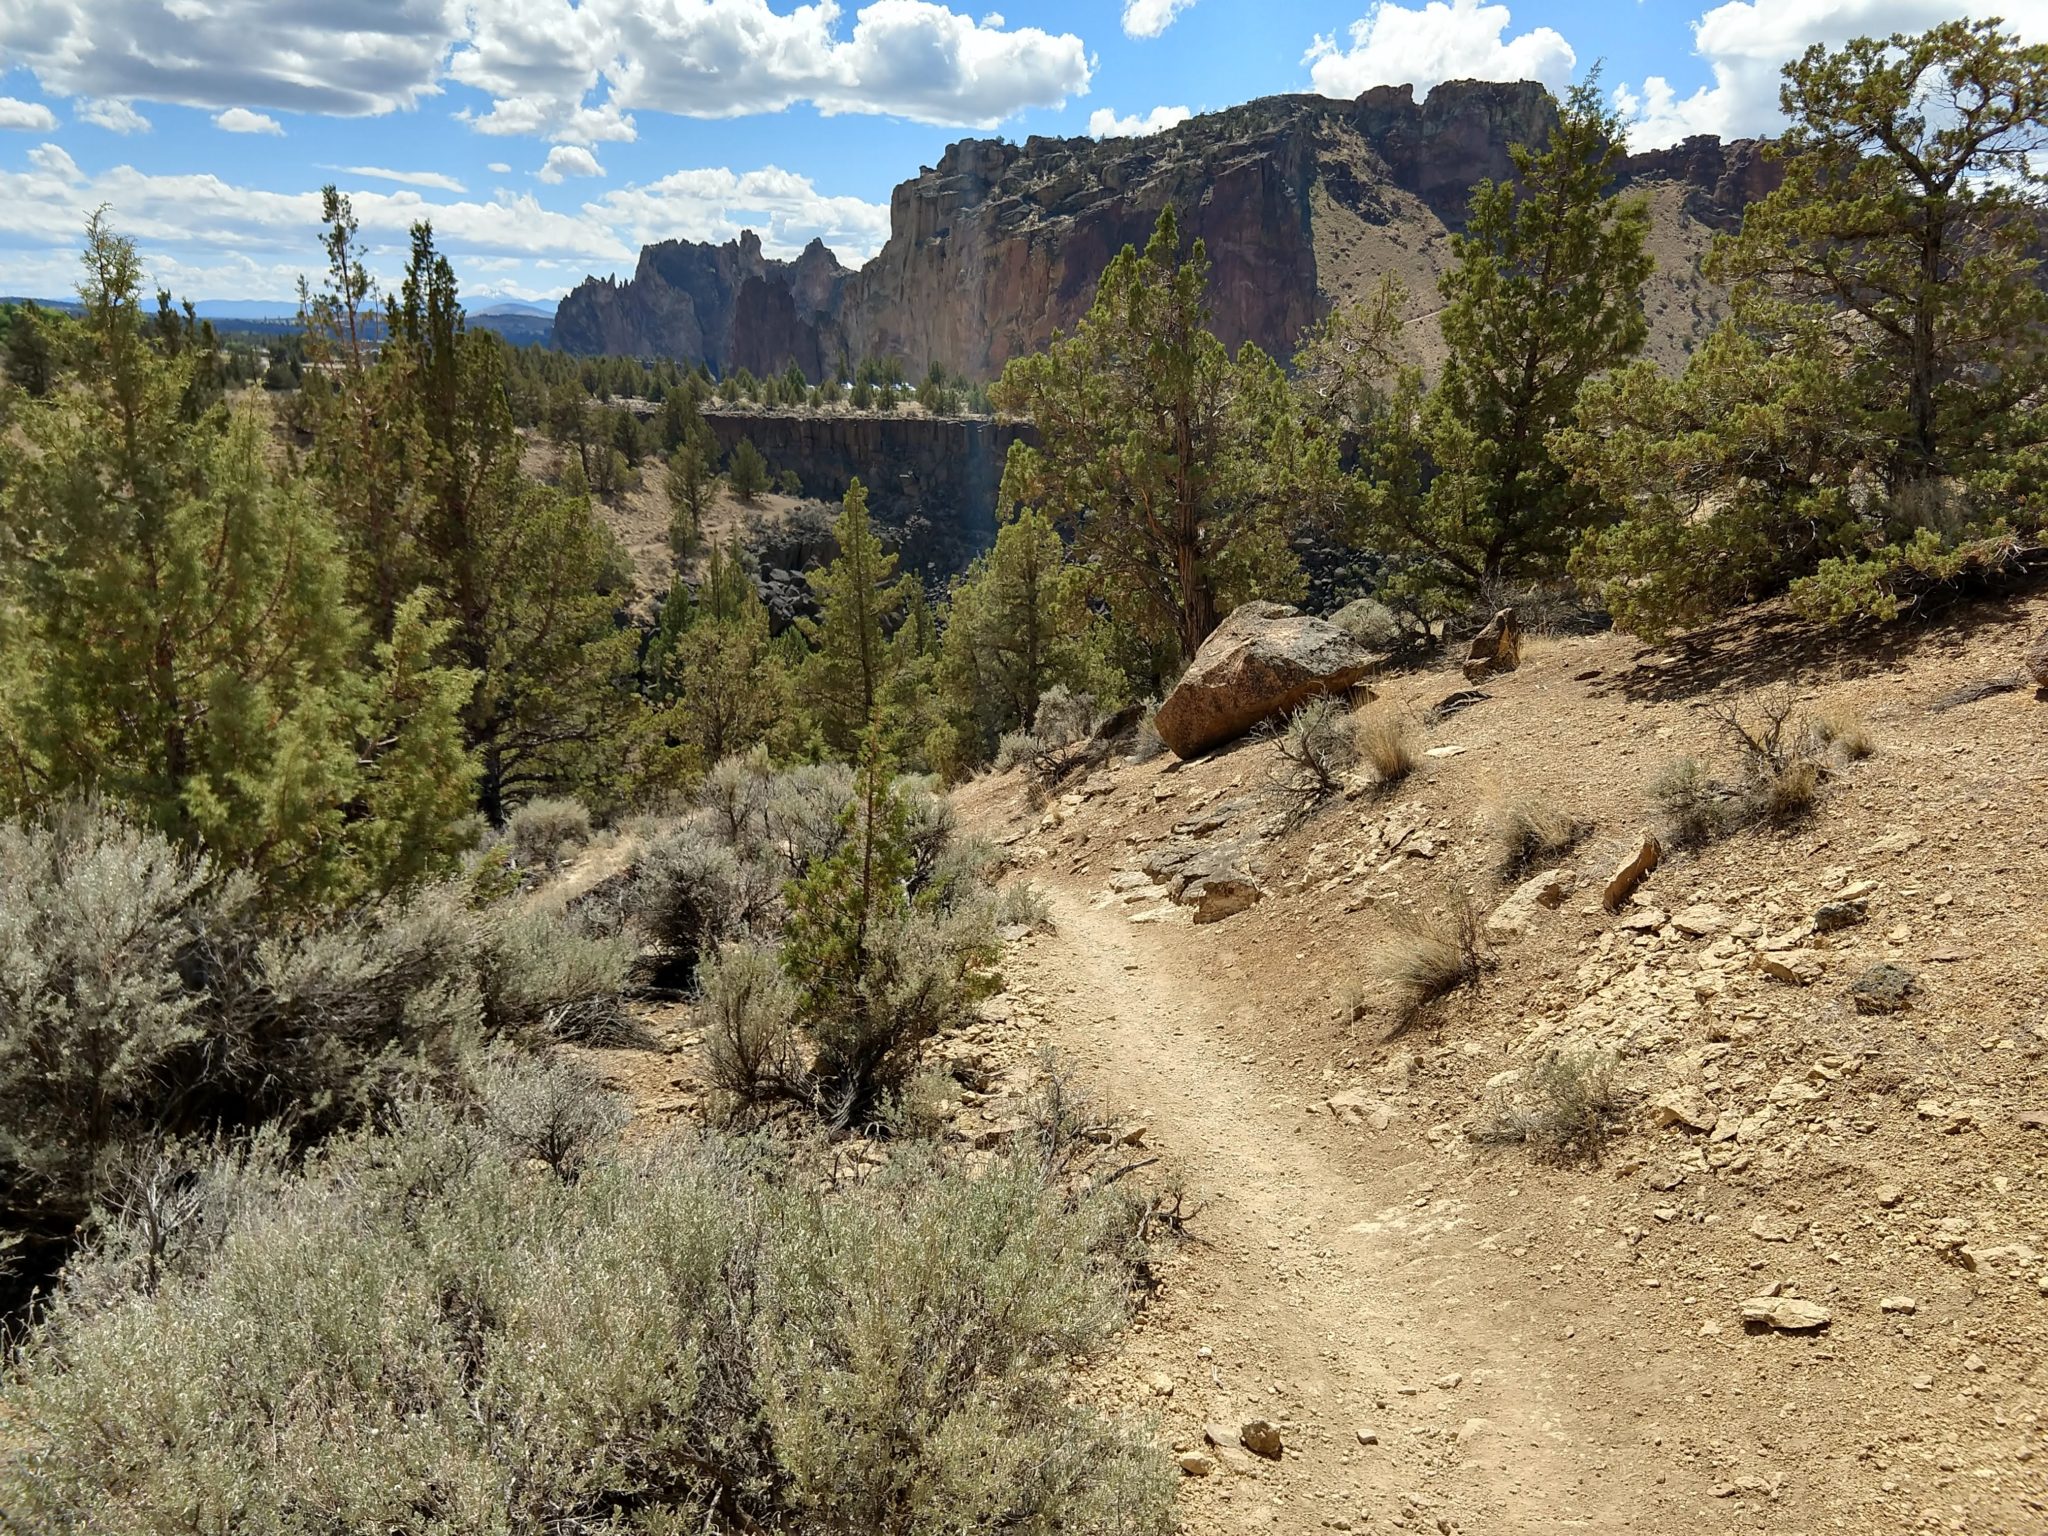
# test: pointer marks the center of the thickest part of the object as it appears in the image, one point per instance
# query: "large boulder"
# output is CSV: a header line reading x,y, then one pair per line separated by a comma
x,y
1262,661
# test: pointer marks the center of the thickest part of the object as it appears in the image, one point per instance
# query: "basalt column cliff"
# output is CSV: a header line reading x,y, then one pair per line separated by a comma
x,y
1303,202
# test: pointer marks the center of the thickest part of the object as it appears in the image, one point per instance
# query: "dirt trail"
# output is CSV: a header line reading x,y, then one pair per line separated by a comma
x,y
1336,1295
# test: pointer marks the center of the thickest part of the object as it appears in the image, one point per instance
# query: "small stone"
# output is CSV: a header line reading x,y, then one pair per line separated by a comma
x,y
1632,871
1472,1429
1787,1314
1261,1437
1683,1106
1901,1304
1367,1437
1882,989
1889,1195
1833,916
1974,1364
1770,1229
1702,920
2033,1120
1451,1382
1197,1464
1795,967
1642,920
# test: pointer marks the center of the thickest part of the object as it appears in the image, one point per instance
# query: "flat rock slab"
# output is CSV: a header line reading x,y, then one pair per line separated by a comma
x,y
1787,1314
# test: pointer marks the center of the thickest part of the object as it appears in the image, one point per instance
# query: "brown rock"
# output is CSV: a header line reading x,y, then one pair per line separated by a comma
x,y
1261,1437
1262,661
1545,892
1496,648
1632,871
1794,967
1683,1106
1787,1314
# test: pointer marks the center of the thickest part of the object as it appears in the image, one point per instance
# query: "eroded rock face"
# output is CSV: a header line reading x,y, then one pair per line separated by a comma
x,y
1303,202
1262,661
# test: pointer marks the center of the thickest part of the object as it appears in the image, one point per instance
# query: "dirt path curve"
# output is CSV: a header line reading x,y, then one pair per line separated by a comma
x,y
1333,1295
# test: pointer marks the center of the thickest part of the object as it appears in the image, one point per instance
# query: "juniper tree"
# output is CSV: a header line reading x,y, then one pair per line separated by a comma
x,y
852,669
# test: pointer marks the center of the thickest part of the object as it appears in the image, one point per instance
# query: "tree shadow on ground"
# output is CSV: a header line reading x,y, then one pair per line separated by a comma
x,y
1770,644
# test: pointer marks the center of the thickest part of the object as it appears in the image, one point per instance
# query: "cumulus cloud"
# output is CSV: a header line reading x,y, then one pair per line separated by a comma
x,y
543,63
347,58
498,168
1105,124
1443,40
566,160
114,116
1746,45
431,179
27,116
205,236
572,71
242,120
1149,18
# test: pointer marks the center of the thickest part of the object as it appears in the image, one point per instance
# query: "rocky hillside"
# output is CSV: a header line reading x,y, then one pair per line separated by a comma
x,y
1303,201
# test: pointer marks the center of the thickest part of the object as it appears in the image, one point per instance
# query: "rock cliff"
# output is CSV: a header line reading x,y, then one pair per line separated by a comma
x,y
1303,202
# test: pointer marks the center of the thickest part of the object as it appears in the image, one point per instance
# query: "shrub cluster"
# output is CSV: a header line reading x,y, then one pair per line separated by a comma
x,y
1782,760
458,1325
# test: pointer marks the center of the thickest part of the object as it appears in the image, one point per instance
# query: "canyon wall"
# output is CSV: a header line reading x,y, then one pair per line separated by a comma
x,y
1303,202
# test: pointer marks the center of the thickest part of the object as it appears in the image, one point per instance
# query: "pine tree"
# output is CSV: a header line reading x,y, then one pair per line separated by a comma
x,y
183,639
1174,462
1546,294
747,474
723,683
31,361
688,486
848,677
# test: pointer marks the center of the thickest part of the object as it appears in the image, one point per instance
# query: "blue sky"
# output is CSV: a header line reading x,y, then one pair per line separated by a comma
x,y
547,139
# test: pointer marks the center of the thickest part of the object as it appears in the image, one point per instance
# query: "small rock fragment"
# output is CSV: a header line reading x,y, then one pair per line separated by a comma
x,y
1882,989
1787,1314
1197,1464
1261,1437
1632,871
1702,920
1889,1195
1683,1106
1795,967
1901,1304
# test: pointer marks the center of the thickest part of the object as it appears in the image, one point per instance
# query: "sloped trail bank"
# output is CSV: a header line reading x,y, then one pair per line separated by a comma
x,y
1419,1376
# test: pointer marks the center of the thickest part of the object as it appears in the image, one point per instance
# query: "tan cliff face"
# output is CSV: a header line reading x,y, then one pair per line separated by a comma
x,y
1303,203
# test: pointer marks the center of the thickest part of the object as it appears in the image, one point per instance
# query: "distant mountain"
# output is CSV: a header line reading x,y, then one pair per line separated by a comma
x,y
1304,203
498,307
520,322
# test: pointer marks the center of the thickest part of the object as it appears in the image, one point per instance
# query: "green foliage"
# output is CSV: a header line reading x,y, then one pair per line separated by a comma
x,y
1869,428
747,472
658,1345
1177,465
689,484
181,639
854,668
1546,295
718,675
31,363
1016,625
544,833
878,969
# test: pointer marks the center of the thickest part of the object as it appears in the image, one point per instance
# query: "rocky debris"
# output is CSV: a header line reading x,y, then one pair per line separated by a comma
x,y
1632,871
1496,648
1883,988
1262,661
1702,920
1261,1437
1794,967
1833,916
1208,879
1196,1464
1683,1106
2033,1120
1787,1314
1544,892
2035,660
1226,893
1906,1306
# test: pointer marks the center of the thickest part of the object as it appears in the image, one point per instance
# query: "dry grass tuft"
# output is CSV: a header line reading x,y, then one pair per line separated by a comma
x,y
1530,832
1426,956
1386,739
1840,729
1564,1111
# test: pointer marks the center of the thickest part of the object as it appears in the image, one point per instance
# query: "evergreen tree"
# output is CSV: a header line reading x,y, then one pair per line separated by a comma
x,y
31,361
1017,624
849,675
747,474
1175,463
713,663
1546,294
182,638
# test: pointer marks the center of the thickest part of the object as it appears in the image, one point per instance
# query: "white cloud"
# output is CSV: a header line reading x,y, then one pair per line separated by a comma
x,y
1443,40
1103,123
1149,18
206,237
431,179
1746,45
114,116
27,116
348,58
568,160
542,61
499,168
242,120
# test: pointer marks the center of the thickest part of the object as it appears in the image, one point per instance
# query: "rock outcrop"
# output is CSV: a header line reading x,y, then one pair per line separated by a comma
x,y
1260,662
1303,202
